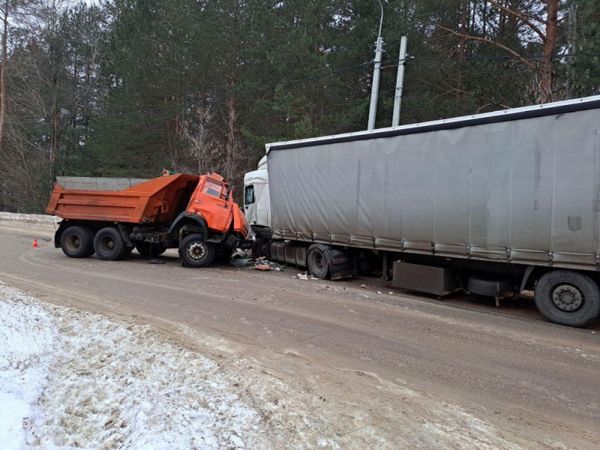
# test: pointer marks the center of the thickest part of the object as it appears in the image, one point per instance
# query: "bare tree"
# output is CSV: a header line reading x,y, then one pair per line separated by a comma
x,y
200,145
5,14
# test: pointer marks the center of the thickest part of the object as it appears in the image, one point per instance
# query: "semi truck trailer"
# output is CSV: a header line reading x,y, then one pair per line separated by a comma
x,y
493,204
195,214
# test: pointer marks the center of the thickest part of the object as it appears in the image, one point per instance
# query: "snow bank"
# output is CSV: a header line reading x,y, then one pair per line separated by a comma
x,y
74,379
24,360
28,218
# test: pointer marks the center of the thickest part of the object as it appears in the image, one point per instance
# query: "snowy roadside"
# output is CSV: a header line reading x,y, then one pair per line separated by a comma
x,y
74,379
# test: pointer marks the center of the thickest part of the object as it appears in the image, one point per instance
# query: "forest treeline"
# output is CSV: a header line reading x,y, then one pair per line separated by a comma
x,y
129,87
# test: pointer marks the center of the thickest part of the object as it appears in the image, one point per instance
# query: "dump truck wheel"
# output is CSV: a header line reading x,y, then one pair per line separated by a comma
x,y
568,298
148,250
318,261
194,251
109,244
77,242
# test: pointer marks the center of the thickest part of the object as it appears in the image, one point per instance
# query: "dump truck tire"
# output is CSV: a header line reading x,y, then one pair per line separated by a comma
x,y
109,244
148,250
568,298
77,242
194,251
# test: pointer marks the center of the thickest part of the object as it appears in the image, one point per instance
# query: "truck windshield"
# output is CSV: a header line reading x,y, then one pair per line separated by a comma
x,y
213,188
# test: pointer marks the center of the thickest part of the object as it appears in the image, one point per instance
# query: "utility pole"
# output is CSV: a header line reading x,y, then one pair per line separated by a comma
x,y
571,48
399,82
376,73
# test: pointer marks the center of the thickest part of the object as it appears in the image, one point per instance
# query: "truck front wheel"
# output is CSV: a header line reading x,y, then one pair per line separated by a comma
x,y
568,298
77,242
109,244
194,251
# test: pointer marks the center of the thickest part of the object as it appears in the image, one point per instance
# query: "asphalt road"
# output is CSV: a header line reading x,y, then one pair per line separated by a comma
x,y
537,384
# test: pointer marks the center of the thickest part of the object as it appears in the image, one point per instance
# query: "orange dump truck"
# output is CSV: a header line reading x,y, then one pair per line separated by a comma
x,y
195,214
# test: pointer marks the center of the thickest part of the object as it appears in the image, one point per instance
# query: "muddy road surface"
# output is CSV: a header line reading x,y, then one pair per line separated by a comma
x,y
374,366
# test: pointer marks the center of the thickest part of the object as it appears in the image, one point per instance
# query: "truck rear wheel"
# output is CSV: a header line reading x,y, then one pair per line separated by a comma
x,y
318,261
109,244
194,251
568,298
77,242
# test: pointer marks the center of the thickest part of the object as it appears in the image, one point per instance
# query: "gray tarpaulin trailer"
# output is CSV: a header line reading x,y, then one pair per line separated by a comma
x,y
494,203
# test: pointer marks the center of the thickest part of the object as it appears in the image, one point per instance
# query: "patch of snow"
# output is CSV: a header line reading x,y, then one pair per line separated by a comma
x,y
27,334
28,218
73,379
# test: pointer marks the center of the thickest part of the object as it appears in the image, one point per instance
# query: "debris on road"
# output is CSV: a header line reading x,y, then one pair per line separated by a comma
x,y
263,261
241,262
306,276
243,258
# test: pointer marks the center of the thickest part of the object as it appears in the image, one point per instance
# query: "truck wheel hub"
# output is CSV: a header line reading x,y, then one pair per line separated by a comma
x,y
108,243
196,251
74,242
567,297
319,261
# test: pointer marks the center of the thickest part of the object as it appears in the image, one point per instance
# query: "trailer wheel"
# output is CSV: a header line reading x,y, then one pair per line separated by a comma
x,y
109,244
318,261
77,242
568,298
194,251
149,250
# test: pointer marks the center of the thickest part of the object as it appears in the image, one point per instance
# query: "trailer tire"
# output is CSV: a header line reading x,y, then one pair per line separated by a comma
x,y
194,251
109,244
568,298
148,250
77,242
318,261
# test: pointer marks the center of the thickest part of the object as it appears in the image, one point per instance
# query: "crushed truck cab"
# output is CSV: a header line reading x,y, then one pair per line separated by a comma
x,y
195,214
212,201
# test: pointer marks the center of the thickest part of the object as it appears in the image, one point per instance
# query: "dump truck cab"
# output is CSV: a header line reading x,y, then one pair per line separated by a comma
x,y
213,201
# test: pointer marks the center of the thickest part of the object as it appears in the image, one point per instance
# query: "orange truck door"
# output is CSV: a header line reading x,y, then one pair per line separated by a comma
x,y
210,201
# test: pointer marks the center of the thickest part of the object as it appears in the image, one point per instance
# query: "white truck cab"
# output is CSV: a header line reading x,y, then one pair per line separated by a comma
x,y
257,205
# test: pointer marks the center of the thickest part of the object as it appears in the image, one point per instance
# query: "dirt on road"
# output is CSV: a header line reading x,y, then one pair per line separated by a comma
x,y
355,366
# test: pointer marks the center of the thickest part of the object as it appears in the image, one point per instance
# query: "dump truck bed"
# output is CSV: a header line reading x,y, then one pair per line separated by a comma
x,y
158,200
